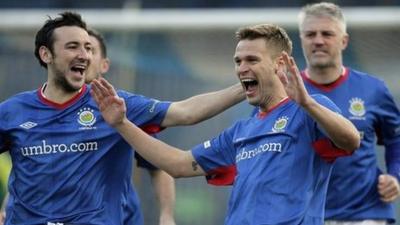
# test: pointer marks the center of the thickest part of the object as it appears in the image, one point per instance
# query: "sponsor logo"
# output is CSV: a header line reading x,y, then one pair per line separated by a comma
x,y
86,118
357,108
44,148
28,125
245,154
280,124
153,107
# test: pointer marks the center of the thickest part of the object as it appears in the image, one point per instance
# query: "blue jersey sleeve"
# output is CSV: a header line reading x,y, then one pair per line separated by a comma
x,y
388,124
388,129
217,158
321,143
147,113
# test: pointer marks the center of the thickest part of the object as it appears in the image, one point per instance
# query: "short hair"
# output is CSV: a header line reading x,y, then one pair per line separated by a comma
x,y
323,9
272,34
103,49
45,37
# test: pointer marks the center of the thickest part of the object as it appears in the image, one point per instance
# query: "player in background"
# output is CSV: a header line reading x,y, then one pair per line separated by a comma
x,y
69,165
279,161
163,183
359,192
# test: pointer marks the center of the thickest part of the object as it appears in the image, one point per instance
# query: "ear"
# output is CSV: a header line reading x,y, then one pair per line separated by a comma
x,y
45,54
345,41
279,62
105,65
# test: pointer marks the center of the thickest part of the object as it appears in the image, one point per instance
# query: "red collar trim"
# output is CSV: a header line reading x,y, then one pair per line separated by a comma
x,y
343,77
262,114
64,105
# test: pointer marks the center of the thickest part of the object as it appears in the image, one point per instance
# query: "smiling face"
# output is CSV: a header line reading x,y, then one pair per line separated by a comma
x,y
256,70
70,58
323,40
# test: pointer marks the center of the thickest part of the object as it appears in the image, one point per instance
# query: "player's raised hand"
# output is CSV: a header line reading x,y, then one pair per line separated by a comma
x,y
290,77
388,187
112,107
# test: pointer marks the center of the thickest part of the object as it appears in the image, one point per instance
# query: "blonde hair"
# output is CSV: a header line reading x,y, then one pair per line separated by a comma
x,y
323,9
272,34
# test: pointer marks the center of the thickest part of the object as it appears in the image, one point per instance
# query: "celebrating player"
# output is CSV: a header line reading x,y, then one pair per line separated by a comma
x,y
279,162
69,165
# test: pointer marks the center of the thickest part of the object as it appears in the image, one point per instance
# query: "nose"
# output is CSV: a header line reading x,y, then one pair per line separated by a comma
x,y
84,54
318,39
242,68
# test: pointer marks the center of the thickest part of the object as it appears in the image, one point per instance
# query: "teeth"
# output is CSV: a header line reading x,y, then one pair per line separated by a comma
x,y
247,80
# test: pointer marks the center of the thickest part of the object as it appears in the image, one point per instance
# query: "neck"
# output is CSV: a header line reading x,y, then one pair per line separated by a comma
x,y
272,102
325,75
57,95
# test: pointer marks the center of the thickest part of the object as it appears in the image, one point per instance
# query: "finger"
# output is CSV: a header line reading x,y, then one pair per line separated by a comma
x,y
389,198
96,91
110,89
103,91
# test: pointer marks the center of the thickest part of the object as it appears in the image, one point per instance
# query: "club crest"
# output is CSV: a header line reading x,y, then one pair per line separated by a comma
x,y
280,124
86,117
357,107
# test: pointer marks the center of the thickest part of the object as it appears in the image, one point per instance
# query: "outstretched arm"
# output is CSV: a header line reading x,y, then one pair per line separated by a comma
x,y
340,130
176,162
201,107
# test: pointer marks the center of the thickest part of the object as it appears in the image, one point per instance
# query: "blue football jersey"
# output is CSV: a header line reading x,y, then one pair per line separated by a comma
x,y
367,103
69,165
279,163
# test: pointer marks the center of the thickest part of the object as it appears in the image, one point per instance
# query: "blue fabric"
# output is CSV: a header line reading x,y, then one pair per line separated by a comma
x,y
280,178
69,165
367,103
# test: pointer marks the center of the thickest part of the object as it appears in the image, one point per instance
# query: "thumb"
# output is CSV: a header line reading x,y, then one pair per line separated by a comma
x,y
382,179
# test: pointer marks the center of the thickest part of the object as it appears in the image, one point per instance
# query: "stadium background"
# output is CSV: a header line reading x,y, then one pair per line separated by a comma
x,y
173,49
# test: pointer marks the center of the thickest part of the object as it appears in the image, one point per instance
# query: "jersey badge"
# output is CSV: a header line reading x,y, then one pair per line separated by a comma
x,y
357,107
86,118
280,124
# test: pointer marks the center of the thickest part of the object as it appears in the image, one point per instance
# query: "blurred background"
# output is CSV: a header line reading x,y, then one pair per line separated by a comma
x,y
174,49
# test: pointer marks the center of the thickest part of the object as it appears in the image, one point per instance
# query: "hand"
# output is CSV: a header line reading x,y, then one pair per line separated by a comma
x,y
2,218
388,187
112,107
292,81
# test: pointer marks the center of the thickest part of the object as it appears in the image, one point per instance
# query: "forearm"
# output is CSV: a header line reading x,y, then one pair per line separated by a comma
x,y
164,186
201,107
176,162
340,130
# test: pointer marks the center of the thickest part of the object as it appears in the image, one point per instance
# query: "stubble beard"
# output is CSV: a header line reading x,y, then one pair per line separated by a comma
x,y
61,82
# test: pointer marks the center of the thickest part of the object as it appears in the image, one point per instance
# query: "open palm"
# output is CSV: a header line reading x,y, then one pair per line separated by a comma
x,y
112,107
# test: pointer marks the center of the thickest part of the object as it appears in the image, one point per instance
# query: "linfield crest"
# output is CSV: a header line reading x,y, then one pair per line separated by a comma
x,y
280,124
357,107
86,117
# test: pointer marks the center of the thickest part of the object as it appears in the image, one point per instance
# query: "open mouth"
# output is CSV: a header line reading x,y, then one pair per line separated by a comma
x,y
249,84
79,68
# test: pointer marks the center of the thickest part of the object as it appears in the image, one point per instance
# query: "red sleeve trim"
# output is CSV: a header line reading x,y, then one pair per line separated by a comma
x,y
222,176
151,129
328,151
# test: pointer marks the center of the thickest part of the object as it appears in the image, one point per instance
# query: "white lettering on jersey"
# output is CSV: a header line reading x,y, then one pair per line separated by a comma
x,y
267,147
58,148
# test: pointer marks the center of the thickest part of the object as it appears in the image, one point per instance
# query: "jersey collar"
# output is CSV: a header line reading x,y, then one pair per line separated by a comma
x,y
64,105
327,87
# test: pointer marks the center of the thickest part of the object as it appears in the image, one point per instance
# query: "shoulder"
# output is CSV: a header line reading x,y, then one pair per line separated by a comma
x,y
366,78
20,97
